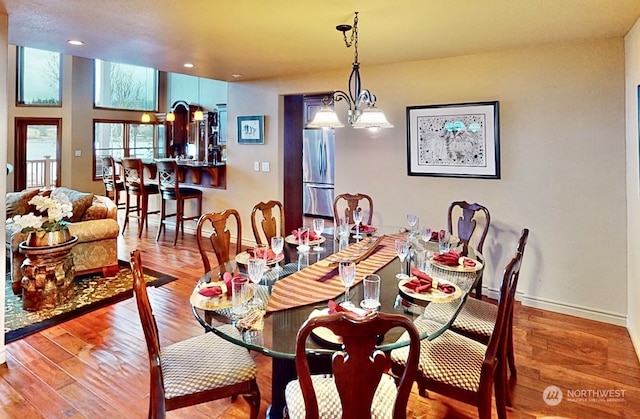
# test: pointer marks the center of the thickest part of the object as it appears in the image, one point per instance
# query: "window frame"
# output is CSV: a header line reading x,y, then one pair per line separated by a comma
x,y
156,87
125,141
20,67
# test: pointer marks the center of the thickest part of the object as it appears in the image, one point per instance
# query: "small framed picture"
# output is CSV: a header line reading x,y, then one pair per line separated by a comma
x,y
251,129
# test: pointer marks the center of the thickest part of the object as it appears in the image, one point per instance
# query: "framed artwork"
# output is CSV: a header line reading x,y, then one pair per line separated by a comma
x,y
456,140
251,129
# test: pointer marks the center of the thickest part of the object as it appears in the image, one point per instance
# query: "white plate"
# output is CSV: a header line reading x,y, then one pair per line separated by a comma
x,y
433,295
244,257
459,267
291,239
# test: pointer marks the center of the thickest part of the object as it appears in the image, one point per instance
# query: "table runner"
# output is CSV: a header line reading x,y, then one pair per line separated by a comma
x,y
318,283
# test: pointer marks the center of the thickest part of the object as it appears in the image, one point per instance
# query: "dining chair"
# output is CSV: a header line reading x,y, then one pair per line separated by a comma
x,y
461,368
136,187
470,215
269,226
477,320
218,223
193,371
359,386
344,205
170,190
113,185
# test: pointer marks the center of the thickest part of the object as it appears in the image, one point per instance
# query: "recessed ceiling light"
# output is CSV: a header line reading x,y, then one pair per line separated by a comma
x,y
188,65
236,75
75,42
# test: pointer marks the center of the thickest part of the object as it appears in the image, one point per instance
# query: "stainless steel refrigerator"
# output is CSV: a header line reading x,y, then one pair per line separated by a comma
x,y
317,172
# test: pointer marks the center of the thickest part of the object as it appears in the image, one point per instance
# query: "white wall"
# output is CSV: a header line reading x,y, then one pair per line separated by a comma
x,y
562,153
632,65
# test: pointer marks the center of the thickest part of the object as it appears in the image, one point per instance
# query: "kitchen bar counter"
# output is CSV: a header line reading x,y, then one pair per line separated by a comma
x,y
199,173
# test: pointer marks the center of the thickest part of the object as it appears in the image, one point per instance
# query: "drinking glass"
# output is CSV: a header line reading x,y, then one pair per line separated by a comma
x,y
419,258
255,269
240,291
412,220
357,218
343,233
371,284
303,239
347,272
444,244
277,244
318,228
402,249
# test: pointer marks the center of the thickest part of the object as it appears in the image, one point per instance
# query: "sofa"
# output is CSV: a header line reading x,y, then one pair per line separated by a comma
x,y
94,223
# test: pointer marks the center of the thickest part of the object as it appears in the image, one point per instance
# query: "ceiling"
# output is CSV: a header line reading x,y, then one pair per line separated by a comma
x,y
261,39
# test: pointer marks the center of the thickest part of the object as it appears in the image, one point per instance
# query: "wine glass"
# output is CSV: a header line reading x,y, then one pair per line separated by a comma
x,y
402,249
255,269
277,244
444,243
347,272
412,220
425,233
318,228
357,218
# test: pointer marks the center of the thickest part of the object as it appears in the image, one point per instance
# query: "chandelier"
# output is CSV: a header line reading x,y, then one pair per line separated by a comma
x,y
363,112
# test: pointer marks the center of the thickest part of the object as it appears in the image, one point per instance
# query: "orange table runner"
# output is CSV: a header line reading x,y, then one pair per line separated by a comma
x,y
319,283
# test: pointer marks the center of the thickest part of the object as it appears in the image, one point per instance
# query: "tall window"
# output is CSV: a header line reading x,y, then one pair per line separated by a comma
x,y
125,86
38,77
124,139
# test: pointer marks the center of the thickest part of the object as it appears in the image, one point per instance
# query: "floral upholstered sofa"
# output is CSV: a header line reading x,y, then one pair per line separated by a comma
x,y
94,223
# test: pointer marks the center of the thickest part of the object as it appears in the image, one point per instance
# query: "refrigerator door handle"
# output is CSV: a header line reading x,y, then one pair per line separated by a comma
x,y
319,186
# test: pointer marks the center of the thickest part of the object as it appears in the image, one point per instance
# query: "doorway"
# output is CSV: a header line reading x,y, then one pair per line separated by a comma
x,y
37,155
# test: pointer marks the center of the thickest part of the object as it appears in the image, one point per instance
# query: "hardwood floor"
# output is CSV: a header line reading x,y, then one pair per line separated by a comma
x,y
96,365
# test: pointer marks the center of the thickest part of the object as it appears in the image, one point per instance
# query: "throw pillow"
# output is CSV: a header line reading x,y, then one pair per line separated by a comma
x,y
79,200
18,202
97,211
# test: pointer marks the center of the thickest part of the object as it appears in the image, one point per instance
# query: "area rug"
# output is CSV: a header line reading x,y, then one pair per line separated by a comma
x,y
91,293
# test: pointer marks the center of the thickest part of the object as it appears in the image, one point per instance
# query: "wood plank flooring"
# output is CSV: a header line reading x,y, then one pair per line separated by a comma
x,y
96,366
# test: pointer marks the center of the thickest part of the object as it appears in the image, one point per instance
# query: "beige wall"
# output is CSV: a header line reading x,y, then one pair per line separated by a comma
x,y
632,49
562,152
3,157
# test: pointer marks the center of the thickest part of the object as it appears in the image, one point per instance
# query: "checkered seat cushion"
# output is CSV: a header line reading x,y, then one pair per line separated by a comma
x,y
450,358
329,405
476,319
204,362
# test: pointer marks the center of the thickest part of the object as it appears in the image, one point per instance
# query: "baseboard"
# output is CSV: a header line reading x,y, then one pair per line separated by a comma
x,y
575,310
635,339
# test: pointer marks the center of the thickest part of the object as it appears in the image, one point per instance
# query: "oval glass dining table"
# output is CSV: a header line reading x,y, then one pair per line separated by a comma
x,y
277,339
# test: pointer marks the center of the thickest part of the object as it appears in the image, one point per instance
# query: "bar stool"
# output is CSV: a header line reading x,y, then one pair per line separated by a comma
x,y
136,187
170,190
112,182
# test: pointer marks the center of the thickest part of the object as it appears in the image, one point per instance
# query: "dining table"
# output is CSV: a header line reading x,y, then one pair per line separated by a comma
x,y
305,285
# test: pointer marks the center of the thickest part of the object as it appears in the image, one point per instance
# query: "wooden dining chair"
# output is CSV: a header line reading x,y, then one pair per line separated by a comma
x,y
219,239
470,215
461,368
170,190
477,320
344,205
359,386
113,185
193,371
139,190
265,224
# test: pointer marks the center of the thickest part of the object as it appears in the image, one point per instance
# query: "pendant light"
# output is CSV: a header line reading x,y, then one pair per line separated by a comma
x,y
198,115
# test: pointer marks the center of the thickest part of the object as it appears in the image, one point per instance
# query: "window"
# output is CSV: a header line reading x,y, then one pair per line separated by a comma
x,y
38,77
125,86
124,139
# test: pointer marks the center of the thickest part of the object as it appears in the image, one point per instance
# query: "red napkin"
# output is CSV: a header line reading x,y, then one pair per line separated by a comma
x,y
310,233
434,235
365,228
449,258
258,253
337,308
217,290
469,263
423,283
